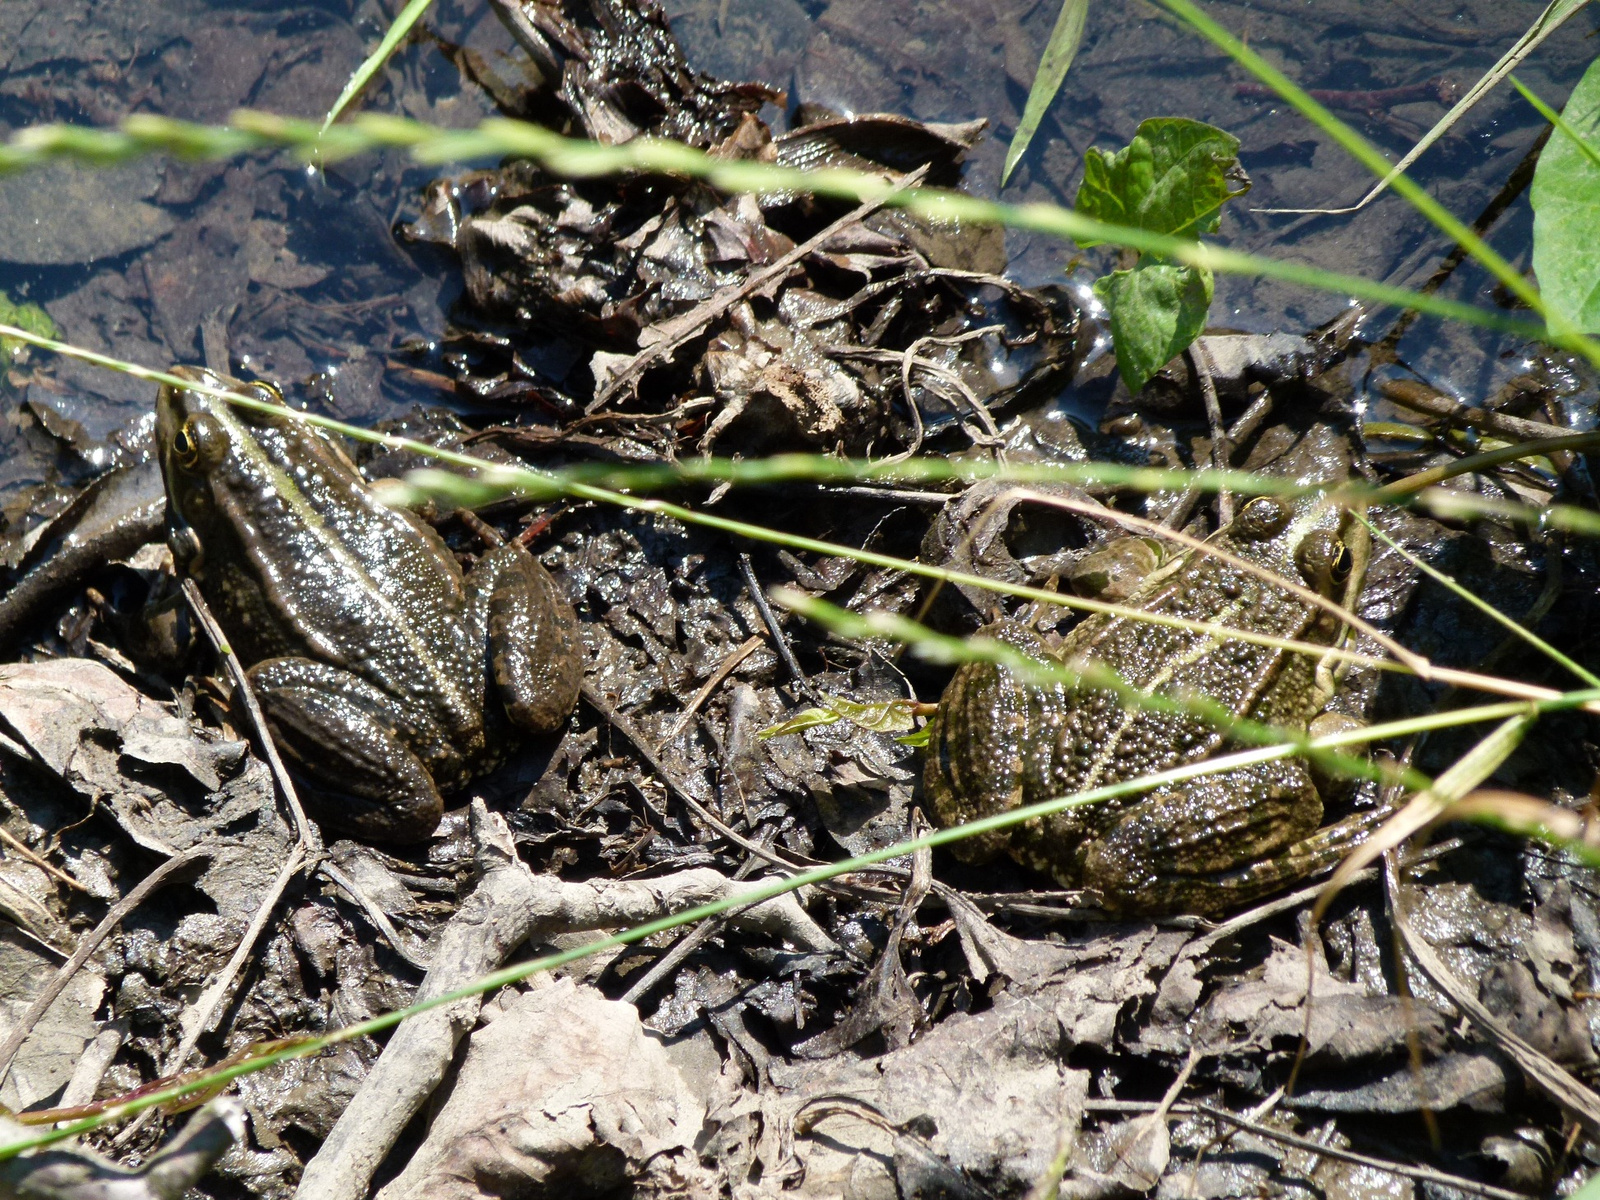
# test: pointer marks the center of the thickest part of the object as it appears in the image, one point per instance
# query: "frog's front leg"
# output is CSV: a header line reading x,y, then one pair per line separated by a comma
x,y
1199,847
334,726
534,649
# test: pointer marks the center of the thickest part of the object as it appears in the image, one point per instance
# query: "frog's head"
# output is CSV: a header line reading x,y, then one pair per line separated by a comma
x,y
1310,535
205,448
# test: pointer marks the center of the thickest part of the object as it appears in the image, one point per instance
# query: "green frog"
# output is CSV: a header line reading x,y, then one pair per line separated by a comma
x,y
1196,846
386,676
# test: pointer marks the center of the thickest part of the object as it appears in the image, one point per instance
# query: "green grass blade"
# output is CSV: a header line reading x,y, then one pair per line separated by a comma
x,y
1467,596
591,481
1059,52
363,75
1554,15
144,133
1369,156
1556,119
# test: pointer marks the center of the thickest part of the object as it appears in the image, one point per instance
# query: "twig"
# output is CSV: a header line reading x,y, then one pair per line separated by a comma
x,y
90,943
759,596
1368,101
379,918
724,669
196,1019
640,744
307,834
1262,912
1250,419
1200,367
43,864
685,946
1419,397
891,495
1405,1170
908,358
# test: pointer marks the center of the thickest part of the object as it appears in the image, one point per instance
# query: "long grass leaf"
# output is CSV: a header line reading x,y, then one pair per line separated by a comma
x,y
374,62
623,485
1554,16
1059,52
1370,157
143,133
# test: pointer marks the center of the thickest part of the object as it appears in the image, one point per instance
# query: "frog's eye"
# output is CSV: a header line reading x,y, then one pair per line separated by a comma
x,y
1324,560
199,443
1263,517
1344,562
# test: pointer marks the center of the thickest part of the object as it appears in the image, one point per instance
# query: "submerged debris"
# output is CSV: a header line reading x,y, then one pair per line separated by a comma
x,y
735,324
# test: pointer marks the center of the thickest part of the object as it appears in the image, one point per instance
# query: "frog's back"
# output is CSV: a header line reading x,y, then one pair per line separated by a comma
x,y
302,559
1091,737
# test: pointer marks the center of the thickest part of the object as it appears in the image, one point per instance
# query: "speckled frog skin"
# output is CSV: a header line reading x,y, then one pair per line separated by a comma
x,y
1197,846
386,676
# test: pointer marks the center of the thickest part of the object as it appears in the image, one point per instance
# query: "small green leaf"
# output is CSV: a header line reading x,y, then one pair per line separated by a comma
x,y
917,738
806,718
1156,310
882,716
1566,211
29,317
1173,178
1059,52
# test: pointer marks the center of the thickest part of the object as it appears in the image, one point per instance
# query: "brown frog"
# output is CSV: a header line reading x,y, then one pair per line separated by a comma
x,y
386,674
1196,846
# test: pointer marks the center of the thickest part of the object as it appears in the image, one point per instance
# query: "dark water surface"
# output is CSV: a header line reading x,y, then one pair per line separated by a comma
x,y
300,272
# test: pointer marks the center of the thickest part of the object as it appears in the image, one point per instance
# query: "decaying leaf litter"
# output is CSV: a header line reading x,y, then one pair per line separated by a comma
x,y
804,1065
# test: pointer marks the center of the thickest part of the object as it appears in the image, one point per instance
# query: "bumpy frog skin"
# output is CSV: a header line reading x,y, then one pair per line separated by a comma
x,y
1197,846
386,676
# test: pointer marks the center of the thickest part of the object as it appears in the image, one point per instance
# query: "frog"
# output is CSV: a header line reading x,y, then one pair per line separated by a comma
x,y
388,677
1199,846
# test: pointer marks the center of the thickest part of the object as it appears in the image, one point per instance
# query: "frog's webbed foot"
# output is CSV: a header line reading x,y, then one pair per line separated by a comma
x,y
330,727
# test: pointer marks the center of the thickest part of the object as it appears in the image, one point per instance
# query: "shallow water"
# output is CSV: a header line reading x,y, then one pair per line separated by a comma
x,y
298,275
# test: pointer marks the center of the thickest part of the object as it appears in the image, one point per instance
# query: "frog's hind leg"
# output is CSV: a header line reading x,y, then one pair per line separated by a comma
x,y
1320,851
1180,848
534,646
1273,853
359,775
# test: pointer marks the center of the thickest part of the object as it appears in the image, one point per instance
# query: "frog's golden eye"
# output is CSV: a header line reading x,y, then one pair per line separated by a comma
x,y
1344,562
185,449
200,442
1263,517
1324,560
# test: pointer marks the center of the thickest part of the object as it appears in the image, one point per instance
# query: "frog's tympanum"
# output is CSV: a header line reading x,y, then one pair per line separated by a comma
x,y
386,676
1196,846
